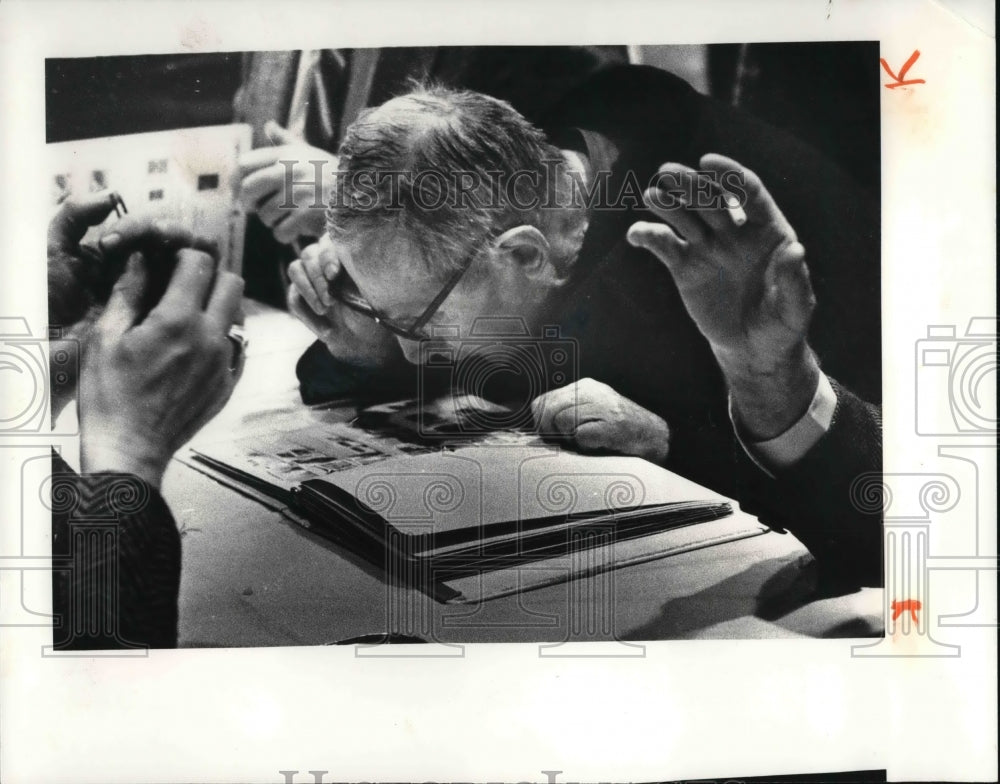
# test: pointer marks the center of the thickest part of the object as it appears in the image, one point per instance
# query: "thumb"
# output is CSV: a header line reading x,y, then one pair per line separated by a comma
x,y
279,135
124,307
659,239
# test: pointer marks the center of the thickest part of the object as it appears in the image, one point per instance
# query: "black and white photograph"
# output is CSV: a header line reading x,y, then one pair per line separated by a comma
x,y
594,350
366,354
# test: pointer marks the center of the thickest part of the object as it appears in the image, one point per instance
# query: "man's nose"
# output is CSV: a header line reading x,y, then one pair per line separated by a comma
x,y
428,352
411,350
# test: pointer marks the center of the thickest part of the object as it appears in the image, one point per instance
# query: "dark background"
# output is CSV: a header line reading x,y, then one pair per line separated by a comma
x,y
827,94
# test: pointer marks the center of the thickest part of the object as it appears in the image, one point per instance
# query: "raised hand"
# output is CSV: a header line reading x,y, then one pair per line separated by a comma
x,y
742,274
348,335
300,211
81,276
149,383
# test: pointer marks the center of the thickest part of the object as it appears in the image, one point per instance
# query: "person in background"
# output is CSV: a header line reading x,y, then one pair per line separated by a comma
x,y
157,363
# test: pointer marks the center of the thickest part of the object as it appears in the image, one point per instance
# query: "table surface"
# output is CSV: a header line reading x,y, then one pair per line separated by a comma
x,y
251,577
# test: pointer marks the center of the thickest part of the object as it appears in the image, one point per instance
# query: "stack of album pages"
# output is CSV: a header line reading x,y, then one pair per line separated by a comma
x,y
471,515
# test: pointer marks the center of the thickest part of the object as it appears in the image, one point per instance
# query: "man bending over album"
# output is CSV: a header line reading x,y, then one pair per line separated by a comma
x,y
709,323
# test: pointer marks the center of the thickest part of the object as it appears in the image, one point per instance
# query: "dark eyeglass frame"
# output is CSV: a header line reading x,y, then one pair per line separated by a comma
x,y
415,331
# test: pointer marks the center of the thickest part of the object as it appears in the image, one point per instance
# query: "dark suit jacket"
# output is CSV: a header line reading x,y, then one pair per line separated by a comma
x,y
633,333
116,557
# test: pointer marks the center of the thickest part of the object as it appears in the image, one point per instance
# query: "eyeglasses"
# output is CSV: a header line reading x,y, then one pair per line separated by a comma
x,y
344,290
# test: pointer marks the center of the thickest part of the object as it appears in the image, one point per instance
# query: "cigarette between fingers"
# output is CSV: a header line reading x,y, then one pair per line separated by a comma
x,y
736,213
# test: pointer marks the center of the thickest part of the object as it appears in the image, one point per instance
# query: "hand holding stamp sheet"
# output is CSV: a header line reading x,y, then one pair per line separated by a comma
x,y
188,176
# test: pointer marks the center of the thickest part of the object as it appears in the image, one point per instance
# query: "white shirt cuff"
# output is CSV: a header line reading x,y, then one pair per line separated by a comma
x,y
785,450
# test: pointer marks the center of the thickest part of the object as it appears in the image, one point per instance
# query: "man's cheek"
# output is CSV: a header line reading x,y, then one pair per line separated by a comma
x,y
356,324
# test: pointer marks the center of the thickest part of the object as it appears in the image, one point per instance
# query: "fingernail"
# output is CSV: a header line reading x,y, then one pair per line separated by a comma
x,y
636,240
110,241
736,213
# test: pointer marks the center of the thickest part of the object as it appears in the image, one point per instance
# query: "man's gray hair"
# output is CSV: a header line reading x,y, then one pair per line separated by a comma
x,y
449,167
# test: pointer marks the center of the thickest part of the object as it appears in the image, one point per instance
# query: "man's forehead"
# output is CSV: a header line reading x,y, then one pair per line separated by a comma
x,y
387,250
392,260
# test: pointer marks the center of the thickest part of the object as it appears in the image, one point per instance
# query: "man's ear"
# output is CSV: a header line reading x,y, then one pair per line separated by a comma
x,y
527,250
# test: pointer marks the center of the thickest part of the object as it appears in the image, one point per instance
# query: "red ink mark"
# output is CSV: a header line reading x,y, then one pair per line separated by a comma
x,y
909,605
901,81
